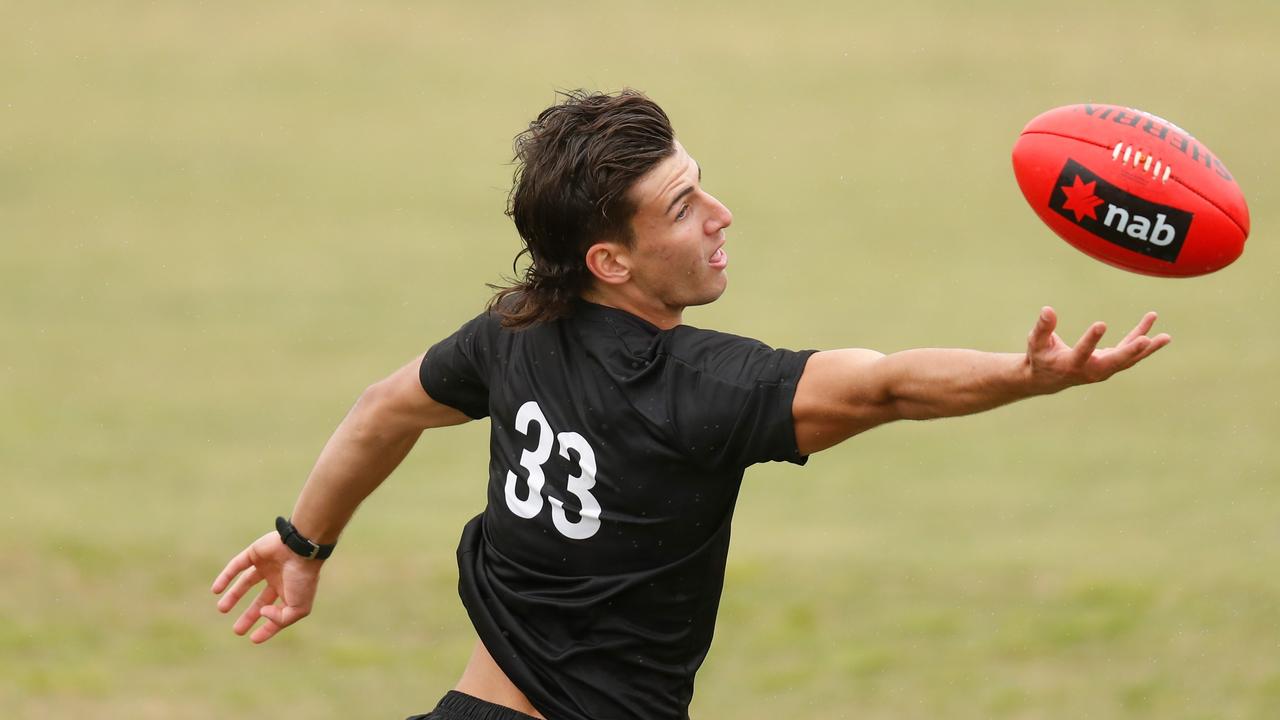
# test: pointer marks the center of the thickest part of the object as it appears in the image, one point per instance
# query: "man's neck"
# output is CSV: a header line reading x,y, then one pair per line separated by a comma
x,y
651,311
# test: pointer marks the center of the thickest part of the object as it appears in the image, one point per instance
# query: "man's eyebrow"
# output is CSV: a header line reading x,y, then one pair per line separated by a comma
x,y
676,199
683,192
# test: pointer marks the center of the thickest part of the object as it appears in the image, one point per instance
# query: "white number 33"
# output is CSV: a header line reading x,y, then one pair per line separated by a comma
x,y
579,485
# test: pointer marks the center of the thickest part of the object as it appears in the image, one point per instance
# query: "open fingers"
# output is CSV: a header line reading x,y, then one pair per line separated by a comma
x,y
242,585
1088,342
278,618
265,632
1123,357
285,615
1150,346
238,564
1041,336
1142,328
252,613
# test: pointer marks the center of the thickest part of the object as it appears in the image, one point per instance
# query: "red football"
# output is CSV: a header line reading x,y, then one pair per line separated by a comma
x,y
1132,190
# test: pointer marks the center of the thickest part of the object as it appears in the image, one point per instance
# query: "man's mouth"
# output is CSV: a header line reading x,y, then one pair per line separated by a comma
x,y
719,259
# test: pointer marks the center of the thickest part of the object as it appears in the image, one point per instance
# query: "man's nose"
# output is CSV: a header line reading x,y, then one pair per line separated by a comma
x,y
719,219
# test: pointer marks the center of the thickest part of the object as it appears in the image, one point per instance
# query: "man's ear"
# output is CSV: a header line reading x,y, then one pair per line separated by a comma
x,y
609,262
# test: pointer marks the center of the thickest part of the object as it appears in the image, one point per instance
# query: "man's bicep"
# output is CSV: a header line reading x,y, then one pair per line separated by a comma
x,y
840,394
404,401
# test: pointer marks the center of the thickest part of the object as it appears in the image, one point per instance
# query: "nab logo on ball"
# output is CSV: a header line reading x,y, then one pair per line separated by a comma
x,y
1117,216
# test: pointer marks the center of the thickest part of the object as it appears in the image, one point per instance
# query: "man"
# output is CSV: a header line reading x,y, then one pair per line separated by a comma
x,y
619,436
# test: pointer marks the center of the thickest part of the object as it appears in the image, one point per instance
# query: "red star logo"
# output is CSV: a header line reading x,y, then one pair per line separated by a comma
x,y
1081,200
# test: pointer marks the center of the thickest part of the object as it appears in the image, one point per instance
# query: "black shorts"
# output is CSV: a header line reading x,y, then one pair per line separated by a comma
x,y
461,706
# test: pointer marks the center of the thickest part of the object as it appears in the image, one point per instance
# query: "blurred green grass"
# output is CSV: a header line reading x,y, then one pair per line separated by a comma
x,y
221,221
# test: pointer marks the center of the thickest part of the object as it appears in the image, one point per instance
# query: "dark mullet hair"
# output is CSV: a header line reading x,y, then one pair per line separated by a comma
x,y
574,166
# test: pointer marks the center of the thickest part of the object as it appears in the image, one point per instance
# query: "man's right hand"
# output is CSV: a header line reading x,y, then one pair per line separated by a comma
x,y
291,586
369,443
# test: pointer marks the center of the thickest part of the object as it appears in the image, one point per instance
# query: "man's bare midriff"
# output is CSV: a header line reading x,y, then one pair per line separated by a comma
x,y
483,679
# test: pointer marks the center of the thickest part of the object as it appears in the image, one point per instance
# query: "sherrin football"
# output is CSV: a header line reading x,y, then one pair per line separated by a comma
x,y
1131,189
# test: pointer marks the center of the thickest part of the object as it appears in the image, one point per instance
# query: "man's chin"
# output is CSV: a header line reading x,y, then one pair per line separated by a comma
x,y
712,295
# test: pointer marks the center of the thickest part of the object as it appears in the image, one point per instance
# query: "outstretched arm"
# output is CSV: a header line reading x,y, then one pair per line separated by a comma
x,y
369,443
845,392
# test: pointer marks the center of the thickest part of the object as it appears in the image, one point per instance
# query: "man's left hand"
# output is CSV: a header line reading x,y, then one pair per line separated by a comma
x,y
1054,365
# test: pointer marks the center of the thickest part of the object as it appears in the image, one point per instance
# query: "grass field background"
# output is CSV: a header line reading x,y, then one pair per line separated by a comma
x,y
221,221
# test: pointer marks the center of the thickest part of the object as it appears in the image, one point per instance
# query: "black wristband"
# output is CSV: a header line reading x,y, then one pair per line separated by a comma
x,y
304,547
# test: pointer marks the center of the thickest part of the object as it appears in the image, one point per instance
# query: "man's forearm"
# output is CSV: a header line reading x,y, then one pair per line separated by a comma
x,y
362,452
936,383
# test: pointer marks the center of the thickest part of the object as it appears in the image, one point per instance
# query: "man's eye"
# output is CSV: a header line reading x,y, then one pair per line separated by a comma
x,y
684,210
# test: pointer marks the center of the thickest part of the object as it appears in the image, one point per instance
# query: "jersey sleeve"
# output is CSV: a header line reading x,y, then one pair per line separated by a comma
x,y
455,371
731,399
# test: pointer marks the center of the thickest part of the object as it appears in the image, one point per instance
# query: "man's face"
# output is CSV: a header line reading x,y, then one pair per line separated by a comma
x,y
677,258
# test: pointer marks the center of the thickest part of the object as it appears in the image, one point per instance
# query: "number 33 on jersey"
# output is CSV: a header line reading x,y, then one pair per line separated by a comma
x,y
579,485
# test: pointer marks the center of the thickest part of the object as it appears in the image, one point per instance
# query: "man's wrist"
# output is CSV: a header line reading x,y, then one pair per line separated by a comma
x,y
1038,381
301,544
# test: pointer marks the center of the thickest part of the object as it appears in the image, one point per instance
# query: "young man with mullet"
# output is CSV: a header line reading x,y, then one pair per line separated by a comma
x,y
619,435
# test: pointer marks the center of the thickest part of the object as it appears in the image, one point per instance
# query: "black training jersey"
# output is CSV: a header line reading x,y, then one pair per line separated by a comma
x,y
594,574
